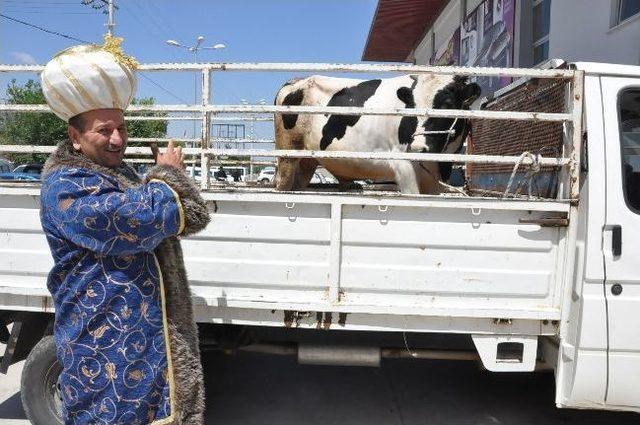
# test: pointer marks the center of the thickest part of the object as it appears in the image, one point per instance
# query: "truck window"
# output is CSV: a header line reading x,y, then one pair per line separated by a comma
x,y
630,146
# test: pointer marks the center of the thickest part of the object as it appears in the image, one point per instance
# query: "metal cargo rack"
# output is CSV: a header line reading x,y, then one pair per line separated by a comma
x,y
569,121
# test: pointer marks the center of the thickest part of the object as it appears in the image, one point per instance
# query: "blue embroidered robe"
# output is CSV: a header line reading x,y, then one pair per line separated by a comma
x,y
110,328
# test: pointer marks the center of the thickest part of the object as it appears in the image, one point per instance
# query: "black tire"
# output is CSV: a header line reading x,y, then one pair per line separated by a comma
x,y
264,181
39,384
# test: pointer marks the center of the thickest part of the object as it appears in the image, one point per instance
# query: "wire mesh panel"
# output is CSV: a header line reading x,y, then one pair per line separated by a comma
x,y
516,137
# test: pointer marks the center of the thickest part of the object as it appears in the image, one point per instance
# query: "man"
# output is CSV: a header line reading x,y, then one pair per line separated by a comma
x,y
124,327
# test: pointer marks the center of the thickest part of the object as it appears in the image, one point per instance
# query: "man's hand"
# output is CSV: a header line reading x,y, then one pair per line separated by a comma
x,y
172,157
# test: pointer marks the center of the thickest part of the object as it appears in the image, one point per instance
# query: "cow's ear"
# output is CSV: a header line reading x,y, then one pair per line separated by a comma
x,y
471,92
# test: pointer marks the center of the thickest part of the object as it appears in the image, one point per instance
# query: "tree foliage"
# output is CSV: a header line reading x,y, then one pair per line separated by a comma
x,y
45,129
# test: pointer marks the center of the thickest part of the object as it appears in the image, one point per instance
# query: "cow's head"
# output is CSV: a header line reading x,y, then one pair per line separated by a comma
x,y
458,94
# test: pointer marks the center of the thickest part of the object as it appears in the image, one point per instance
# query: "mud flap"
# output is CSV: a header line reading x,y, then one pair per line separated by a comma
x,y
27,330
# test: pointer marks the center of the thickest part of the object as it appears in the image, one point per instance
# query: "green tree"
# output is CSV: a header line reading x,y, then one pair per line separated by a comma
x,y
45,129
29,128
149,129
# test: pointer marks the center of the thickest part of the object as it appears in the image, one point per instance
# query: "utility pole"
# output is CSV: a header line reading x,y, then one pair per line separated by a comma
x,y
100,5
111,23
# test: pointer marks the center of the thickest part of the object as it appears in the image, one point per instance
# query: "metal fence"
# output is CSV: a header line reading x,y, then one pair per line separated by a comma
x,y
571,118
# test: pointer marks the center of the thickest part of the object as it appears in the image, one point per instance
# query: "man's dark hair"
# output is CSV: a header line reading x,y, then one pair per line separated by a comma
x,y
77,122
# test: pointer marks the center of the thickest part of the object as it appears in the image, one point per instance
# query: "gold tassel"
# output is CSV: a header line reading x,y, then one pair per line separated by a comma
x,y
112,45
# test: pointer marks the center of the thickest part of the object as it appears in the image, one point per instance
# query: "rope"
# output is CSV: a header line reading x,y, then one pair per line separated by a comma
x,y
534,168
406,345
449,132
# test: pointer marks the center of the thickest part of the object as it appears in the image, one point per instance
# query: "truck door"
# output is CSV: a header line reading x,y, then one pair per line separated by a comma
x,y
621,237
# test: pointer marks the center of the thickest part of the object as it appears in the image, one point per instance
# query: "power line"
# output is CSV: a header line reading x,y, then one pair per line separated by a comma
x,y
43,29
43,5
152,17
165,23
150,29
40,2
164,89
86,42
48,13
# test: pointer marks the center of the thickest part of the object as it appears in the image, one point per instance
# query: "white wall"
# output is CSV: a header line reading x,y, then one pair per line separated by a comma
x,y
443,28
580,31
424,50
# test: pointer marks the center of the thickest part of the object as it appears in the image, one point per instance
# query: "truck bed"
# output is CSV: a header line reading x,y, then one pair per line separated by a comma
x,y
385,259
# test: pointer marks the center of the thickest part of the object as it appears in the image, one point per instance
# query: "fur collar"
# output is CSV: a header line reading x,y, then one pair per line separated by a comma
x,y
66,157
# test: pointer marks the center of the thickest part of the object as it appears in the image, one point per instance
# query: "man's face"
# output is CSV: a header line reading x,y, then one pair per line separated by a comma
x,y
104,137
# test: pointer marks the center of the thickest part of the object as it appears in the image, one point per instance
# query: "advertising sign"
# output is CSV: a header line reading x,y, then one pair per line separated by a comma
x,y
448,53
487,40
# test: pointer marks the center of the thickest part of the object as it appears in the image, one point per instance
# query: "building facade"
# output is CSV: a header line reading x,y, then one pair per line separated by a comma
x,y
520,33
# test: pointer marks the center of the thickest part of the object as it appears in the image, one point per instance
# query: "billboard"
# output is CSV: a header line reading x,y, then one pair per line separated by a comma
x,y
486,39
448,53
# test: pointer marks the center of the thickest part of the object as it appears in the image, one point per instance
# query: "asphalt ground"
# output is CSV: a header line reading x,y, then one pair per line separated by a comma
x,y
249,388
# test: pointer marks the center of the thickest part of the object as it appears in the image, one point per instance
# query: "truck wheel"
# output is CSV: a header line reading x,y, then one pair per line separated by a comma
x,y
39,389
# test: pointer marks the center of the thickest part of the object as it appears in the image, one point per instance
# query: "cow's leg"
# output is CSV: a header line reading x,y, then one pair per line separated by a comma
x,y
405,176
306,168
429,178
286,173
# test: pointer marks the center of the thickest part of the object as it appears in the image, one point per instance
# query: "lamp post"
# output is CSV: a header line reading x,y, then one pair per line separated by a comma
x,y
251,129
195,49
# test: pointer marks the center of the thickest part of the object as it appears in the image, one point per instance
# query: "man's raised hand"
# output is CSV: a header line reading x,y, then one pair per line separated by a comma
x,y
173,156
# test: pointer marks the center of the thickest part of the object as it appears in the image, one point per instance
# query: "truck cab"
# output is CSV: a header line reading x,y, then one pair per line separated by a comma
x,y
600,352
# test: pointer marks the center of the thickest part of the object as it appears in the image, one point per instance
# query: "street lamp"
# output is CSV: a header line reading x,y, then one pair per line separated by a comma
x,y
194,49
197,47
251,129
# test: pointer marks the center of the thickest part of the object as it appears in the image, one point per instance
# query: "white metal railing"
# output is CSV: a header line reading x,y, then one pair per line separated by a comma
x,y
208,112
324,67
334,110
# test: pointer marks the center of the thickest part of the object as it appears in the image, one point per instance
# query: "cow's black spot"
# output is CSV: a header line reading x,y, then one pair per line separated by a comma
x,y
408,125
292,99
336,126
458,94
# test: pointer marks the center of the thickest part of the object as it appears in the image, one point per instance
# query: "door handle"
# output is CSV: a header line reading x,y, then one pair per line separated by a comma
x,y
616,240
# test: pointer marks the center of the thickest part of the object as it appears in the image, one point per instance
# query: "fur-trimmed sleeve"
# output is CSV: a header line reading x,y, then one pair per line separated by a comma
x,y
196,215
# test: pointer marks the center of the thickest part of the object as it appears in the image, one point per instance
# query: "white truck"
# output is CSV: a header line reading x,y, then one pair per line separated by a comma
x,y
545,279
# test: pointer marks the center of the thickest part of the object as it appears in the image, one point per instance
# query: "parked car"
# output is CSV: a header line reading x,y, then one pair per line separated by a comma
x,y
229,174
5,165
33,169
266,176
19,176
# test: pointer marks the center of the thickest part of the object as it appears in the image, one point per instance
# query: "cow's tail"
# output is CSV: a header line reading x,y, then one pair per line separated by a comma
x,y
290,94
288,133
285,90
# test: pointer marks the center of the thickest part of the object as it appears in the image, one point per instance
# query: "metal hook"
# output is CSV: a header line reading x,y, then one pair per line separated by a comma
x,y
476,211
290,205
383,208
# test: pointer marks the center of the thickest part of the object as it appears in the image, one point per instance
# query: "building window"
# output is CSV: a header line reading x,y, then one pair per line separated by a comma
x,y
625,9
630,146
541,19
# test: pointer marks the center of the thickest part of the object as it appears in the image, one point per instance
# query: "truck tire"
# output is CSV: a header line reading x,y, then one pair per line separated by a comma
x,y
39,390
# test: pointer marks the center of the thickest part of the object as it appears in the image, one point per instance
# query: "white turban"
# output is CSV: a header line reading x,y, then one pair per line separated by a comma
x,y
88,77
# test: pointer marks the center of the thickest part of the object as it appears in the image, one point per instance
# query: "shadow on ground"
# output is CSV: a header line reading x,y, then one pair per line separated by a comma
x,y
248,389
11,408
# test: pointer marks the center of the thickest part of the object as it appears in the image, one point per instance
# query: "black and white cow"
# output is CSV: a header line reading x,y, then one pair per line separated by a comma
x,y
369,133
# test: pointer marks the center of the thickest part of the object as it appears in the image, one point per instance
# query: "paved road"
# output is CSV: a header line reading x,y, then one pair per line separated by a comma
x,y
248,389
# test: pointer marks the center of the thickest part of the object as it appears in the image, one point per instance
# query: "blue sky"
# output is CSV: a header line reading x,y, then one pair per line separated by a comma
x,y
253,31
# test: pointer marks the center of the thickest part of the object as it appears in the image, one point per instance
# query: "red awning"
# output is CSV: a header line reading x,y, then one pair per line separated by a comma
x,y
397,28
